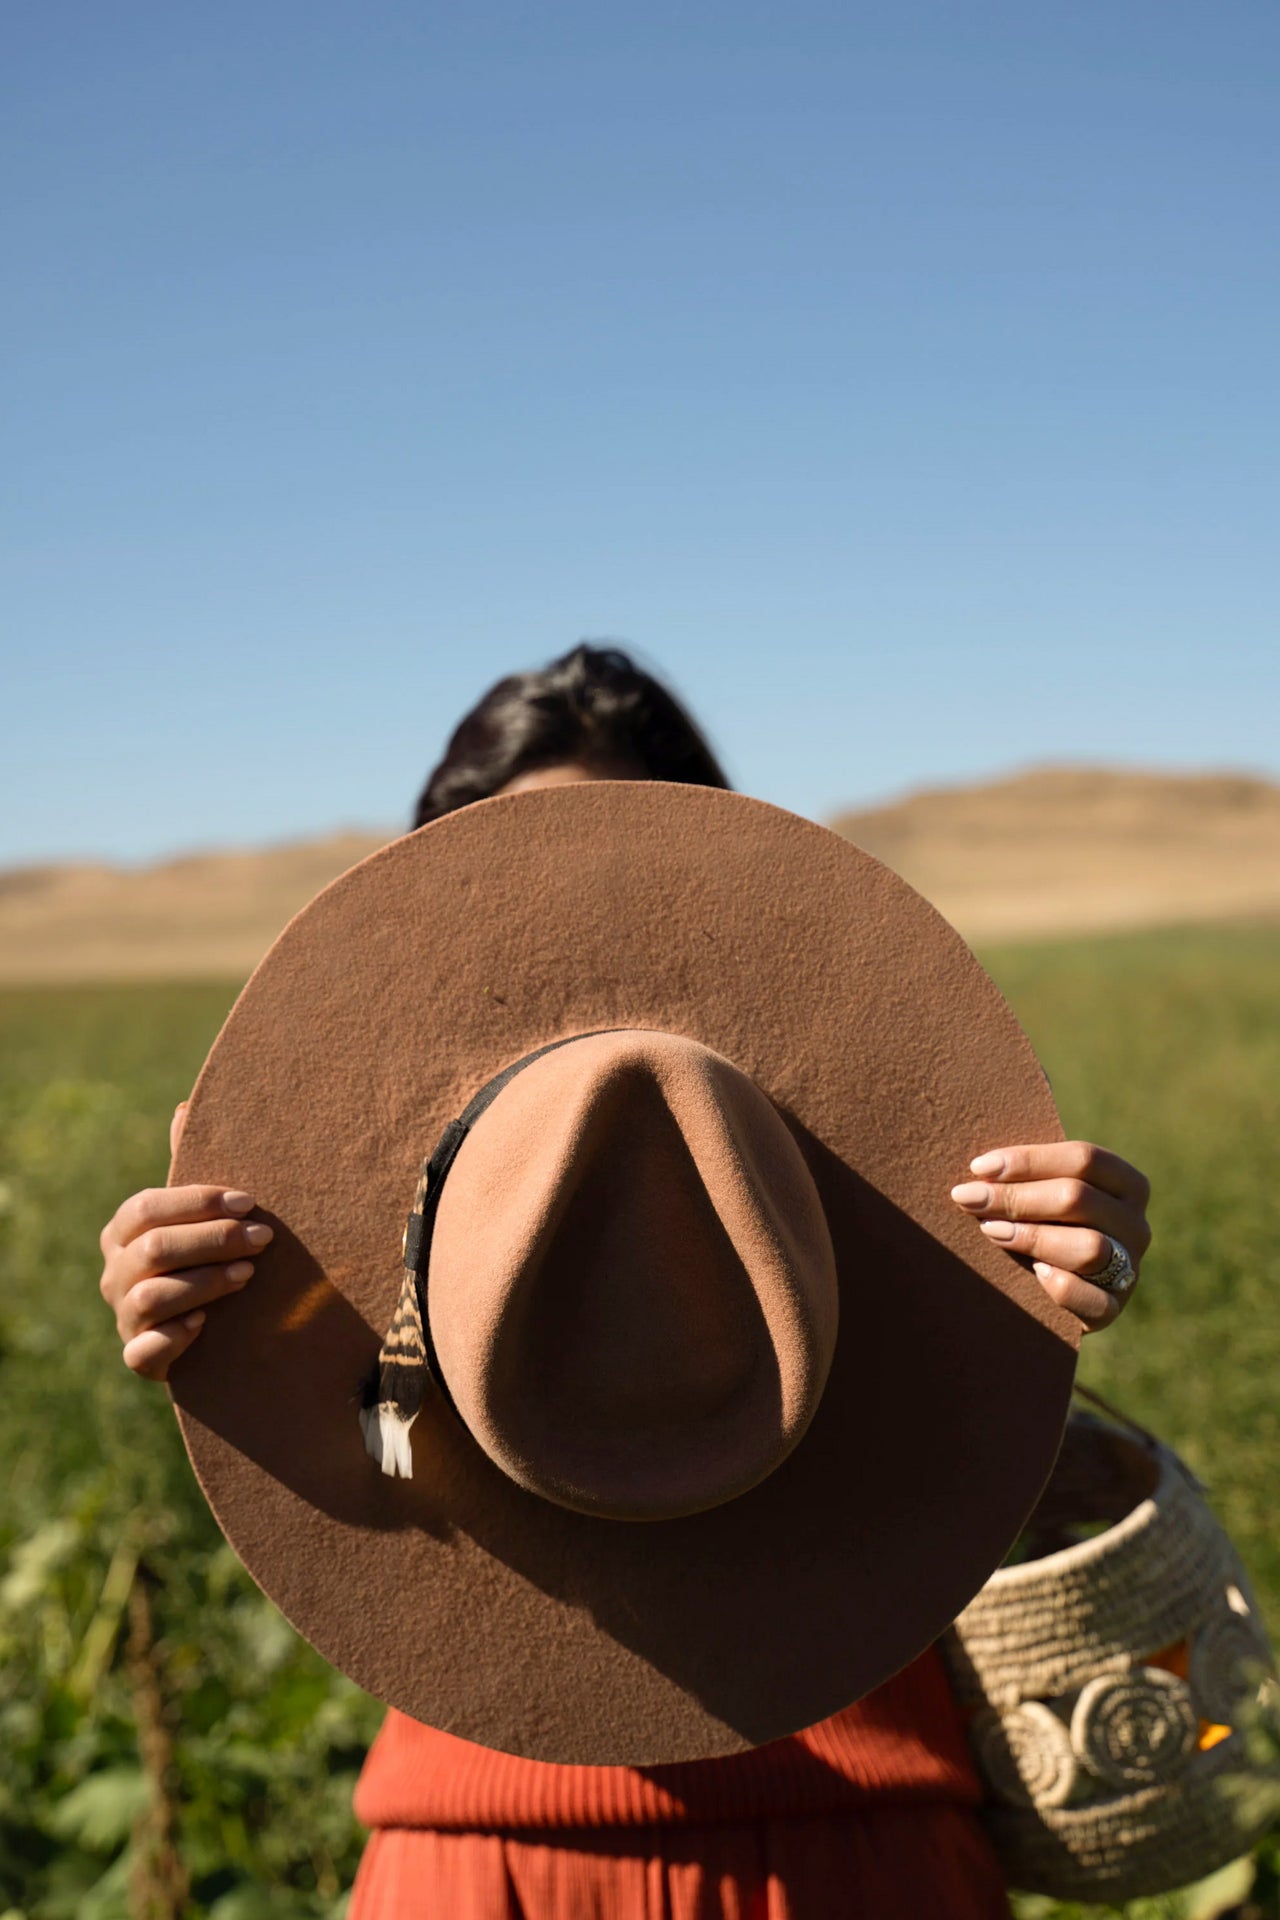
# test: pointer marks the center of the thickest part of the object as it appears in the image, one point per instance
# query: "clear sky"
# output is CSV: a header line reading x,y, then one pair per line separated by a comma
x,y
900,379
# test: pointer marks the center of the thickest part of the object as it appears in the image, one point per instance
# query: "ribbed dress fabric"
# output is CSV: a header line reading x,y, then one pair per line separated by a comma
x,y
870,1813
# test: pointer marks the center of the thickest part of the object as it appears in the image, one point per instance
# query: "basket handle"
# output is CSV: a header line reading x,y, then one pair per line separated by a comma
x,y
1157,1445
1105,1406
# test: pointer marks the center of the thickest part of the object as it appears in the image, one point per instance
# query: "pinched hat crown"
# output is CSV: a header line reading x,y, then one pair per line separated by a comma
x,y
630,1292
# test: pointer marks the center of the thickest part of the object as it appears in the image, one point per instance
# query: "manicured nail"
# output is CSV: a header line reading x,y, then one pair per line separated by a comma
x,y
191,1321
972,1194
237,1203
239,1271
999,1229
257,1233
1042,1270
989,1165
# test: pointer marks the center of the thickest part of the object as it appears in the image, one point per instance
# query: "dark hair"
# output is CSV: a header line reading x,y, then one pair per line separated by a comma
x,y
594,705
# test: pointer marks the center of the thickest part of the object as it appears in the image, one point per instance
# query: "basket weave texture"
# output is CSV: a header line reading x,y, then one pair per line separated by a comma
x,y
1108,1681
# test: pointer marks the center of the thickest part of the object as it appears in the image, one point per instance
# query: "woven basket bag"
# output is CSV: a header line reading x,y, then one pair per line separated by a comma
x,y
1106,1680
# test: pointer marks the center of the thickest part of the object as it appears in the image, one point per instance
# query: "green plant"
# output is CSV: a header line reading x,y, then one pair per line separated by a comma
x,y
162,1728
167,1743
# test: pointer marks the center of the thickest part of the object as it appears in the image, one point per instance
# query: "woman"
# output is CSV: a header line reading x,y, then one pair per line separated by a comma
x,y
873,1811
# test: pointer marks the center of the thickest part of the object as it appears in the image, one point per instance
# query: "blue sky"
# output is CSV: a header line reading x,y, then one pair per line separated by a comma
x,y
899,379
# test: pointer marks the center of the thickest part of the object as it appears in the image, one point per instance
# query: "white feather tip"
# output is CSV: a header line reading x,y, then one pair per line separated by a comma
x,y
386,1439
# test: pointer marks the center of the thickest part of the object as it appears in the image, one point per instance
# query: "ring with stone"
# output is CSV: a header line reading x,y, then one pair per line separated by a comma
x,y
1118,1276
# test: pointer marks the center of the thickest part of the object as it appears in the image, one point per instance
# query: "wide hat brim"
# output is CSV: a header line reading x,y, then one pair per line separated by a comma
x,y
458,1596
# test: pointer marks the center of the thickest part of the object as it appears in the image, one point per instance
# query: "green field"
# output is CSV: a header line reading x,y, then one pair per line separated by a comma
x,y
125,1624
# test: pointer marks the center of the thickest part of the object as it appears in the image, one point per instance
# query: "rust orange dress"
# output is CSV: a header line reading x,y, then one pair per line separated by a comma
x,y
870,1813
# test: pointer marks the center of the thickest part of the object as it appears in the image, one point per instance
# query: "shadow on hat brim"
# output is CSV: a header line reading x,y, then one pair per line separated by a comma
x,y
459,1597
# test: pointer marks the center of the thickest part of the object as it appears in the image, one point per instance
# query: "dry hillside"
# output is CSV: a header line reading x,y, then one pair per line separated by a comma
x,y
1046,852
208,915
1075,850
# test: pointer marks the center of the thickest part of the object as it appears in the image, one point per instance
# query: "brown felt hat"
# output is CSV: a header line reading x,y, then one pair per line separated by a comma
x,y
721,1410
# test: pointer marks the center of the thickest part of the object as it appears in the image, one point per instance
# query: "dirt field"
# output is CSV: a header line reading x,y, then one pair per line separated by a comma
x,y
1049,852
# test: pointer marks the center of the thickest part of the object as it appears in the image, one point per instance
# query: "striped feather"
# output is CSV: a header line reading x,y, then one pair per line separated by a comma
x,y
397,1385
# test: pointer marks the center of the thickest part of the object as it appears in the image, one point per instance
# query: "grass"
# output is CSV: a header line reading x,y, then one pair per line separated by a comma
x,y
1165,1047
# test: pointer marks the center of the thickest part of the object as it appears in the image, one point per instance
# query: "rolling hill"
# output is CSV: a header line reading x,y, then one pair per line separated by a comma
x,y
1048,852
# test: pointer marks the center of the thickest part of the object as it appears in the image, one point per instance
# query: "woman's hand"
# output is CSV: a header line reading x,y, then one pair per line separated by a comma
x,y
1061,1205
167,1252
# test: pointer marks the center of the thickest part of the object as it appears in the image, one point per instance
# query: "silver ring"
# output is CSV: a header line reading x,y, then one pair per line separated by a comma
x,y
1118,1276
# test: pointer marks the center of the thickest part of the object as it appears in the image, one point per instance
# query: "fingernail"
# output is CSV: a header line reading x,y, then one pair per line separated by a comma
x,y
237,1203
971,1193
192,1320
257,1233
991,1165
239,1271
1042,1270
999,1229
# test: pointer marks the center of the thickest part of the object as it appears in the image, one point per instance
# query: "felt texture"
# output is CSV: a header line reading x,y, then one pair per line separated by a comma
x,y
460,1596
633,1295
